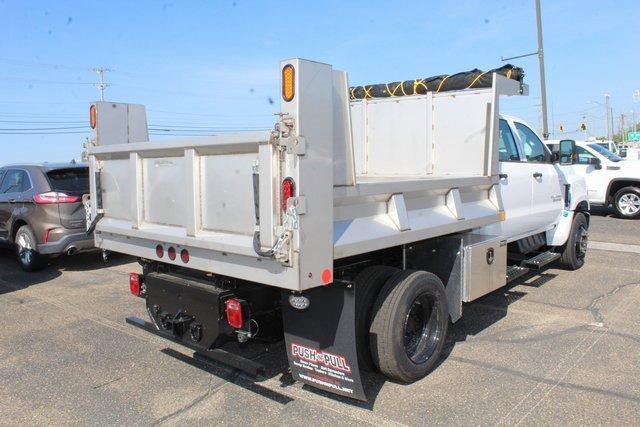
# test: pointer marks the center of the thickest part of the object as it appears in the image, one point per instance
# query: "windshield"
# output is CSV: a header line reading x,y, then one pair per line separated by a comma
x,y
608,154
72,179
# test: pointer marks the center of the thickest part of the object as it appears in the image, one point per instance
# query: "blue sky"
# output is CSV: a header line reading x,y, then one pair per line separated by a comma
x,y
203,65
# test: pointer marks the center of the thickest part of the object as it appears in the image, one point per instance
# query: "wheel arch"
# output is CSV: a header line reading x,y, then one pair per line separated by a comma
x,y
616,184
15,226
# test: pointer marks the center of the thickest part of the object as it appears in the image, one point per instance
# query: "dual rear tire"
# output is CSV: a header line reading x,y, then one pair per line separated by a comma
x,y
402,332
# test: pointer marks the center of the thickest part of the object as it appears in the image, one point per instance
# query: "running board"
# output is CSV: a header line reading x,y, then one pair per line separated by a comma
x,y
515,272
540,260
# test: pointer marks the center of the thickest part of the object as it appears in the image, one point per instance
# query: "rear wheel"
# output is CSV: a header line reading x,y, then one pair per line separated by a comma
x,y
28,256
626,202
409,325
368,284
575,250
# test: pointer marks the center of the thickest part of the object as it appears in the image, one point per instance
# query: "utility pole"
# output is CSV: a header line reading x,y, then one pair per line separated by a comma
x,y
543,84
607,98
101,85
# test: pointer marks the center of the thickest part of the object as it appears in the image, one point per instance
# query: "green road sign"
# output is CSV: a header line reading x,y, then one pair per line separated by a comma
x,y
633,136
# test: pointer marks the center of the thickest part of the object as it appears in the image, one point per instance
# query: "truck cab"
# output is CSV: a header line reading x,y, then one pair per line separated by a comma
x,y
611,180
537,192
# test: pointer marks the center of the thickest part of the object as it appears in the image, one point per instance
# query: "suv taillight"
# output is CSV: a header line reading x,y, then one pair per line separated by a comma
x,y
55,197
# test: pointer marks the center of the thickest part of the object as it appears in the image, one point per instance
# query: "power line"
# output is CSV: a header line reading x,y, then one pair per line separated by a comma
x,y
41,133
41,81
22,63
55,128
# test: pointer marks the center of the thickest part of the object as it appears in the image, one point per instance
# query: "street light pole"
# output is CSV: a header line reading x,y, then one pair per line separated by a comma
x,y
543,86
607,98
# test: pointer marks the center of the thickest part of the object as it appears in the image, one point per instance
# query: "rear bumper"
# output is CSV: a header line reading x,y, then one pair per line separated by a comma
x,y
76,242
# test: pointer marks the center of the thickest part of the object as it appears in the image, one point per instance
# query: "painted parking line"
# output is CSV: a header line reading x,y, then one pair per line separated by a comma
x,y
616,247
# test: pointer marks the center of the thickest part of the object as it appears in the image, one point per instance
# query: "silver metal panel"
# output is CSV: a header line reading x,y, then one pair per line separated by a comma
x,y
247,267
312,110
193,191
164,186
397,137
245,142
484,265
343,165
137,209
227,193
117,194
358,132
460,126
120,123
269,189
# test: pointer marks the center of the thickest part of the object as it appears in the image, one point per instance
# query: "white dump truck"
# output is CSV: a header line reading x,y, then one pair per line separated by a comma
x,y
357,228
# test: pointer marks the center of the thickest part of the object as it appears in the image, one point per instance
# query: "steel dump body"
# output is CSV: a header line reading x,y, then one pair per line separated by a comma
x,y
369,175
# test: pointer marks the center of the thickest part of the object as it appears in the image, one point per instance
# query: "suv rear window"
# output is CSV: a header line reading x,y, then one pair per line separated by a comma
x,y
73,179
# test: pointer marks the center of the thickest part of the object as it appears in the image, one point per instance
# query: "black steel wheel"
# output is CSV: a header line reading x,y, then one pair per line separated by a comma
x,y
575,250
409,325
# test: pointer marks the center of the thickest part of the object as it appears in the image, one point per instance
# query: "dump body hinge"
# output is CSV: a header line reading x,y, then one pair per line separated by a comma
x,y
293,145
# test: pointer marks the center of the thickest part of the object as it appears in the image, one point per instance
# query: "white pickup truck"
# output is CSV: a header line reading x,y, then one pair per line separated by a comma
x,y
356,228
611,180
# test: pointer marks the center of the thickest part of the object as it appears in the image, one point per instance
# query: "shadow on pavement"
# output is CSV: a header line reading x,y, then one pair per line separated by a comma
x,y
479,315
603,211
13,278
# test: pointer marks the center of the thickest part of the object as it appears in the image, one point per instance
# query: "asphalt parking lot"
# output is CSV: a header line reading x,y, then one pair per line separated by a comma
x,y
562,348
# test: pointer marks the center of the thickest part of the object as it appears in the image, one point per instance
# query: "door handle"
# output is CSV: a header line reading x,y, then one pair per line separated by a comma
x,y
12,201
537,175
503,176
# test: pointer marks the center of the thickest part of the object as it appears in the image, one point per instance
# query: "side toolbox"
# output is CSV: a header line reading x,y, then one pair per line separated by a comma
x,y
484,266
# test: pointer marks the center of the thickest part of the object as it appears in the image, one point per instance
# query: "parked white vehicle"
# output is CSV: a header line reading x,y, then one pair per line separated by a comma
x,y
611,180
358,227
609,145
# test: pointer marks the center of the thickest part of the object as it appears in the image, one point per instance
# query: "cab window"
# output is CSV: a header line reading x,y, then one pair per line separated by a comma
x,y
15,181
534,149
507,149
583,156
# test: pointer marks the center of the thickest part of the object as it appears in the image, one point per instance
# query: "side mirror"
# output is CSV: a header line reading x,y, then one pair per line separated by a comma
x,y
567,151
596,162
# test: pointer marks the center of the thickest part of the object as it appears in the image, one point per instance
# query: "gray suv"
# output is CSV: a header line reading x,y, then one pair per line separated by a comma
x,y
41,211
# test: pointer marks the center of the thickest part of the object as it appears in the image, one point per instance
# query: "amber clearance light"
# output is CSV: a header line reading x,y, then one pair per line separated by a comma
x,y
93,119
288,82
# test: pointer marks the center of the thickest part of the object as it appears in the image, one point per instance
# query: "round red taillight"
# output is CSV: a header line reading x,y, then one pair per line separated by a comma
x,y
184,256
172,253
159,251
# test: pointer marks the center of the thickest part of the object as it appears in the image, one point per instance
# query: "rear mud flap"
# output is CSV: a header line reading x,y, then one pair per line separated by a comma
x,y
321,341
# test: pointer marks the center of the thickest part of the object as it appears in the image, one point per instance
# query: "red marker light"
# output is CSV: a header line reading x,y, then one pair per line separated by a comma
x,y
233,310
327,276
134,284
159,251
184,256
288,191
172,253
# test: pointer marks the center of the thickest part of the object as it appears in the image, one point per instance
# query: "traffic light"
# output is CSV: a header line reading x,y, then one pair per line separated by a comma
x,y
583,126
561,128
